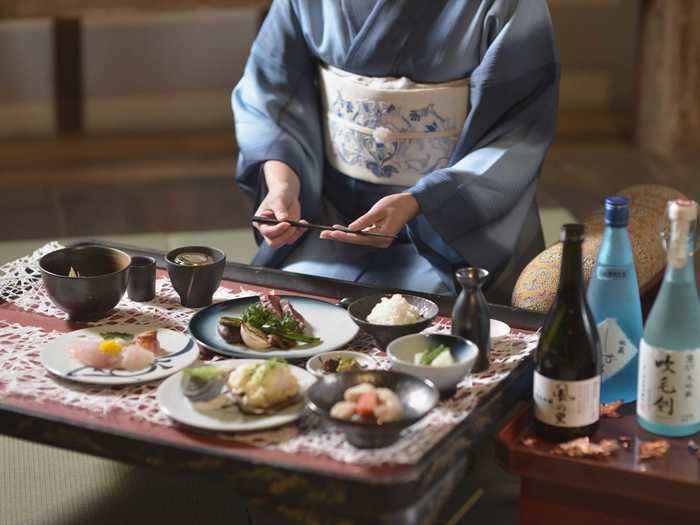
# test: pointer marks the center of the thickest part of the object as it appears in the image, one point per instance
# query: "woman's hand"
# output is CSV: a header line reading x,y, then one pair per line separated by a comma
x,y
281,202
389,215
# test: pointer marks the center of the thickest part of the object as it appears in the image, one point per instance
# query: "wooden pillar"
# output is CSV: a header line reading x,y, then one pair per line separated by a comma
x,y
669,84
68,75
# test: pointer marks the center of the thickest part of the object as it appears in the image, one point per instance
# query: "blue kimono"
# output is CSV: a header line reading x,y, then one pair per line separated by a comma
x,y
473,211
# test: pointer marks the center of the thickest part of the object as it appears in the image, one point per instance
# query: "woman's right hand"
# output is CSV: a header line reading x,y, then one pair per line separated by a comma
x,y
281,202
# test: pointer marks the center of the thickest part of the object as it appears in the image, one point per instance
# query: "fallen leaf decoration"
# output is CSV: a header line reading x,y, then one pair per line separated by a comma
x,y
653,449
610,410
585,448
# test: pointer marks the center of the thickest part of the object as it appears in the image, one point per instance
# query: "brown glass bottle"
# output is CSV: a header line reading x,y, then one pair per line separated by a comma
x,y
566,391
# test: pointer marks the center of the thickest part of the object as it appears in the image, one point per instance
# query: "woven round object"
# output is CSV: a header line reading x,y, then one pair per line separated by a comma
x,y
537,284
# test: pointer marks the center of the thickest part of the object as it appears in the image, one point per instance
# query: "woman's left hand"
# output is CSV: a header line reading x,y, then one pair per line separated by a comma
x,y
389,215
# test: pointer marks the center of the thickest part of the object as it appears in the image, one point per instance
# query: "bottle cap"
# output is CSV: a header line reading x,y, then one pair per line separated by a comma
x,y
572,232
617,211
683,210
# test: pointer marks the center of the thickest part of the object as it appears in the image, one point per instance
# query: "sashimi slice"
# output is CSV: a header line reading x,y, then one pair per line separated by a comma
x,y
134,357
149,341
87,351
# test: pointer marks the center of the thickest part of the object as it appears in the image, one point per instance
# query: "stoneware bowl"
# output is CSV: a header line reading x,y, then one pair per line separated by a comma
x,y
418,397
384,333
196,284
98,288
446,378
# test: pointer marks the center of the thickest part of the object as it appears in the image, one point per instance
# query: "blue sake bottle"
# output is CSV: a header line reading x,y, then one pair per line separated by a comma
x,y
668,396
613,296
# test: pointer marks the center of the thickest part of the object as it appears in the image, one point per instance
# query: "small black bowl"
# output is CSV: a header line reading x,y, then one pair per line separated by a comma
x,y
196,284
100,285
418,397
385,333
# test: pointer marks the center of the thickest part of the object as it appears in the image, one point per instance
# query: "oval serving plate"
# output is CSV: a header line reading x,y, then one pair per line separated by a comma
x,y
180,350
329,322
229,419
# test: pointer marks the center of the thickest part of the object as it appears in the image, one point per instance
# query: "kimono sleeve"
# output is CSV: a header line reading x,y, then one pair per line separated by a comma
x,y
275,108
512,119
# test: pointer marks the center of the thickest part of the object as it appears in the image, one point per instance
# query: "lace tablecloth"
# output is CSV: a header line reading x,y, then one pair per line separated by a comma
x,y
22,374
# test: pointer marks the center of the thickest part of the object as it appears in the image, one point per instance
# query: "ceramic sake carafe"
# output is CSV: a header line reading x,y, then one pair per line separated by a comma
x,y
470,315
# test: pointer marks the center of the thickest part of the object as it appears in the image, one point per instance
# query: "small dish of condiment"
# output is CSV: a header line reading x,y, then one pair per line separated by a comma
x,y
340,361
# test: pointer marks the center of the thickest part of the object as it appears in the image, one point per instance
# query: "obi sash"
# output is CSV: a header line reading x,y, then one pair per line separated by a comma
x,y
390,130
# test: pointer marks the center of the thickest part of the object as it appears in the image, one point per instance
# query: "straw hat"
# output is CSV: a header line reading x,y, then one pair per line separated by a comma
x,y
537,285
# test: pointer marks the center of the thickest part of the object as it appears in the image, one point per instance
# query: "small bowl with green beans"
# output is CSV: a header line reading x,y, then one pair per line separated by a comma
x,y
444,359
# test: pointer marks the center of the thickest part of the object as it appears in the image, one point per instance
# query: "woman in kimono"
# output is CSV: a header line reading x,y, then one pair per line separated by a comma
x,y
428,120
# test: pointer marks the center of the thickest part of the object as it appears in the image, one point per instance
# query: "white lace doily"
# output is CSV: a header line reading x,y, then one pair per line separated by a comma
x,y
22,374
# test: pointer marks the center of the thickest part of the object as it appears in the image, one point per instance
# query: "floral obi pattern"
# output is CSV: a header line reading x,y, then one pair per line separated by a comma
x,y
389,130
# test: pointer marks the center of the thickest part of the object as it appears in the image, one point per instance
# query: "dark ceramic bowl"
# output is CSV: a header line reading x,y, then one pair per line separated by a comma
x,y
196,284
385,333
100,285
418,397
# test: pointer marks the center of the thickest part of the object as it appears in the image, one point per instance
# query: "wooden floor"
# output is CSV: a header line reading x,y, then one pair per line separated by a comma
x,y
107,185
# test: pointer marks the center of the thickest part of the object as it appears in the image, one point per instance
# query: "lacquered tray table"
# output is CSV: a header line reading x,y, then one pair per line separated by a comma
x,y
297,488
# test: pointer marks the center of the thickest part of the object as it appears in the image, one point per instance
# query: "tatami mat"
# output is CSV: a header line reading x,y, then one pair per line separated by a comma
x,y
41,485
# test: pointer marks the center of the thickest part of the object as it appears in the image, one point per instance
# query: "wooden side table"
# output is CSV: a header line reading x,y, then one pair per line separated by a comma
x,y
620,489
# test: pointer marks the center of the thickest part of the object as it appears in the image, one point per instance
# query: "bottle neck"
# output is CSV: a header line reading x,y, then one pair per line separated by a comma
x,y
680,261
684,274
615,247
614,232
571,274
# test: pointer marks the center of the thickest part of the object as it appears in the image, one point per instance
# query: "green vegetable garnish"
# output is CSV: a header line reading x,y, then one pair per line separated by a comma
x,y
205,373
232,322
428,357
263,368
263,319
294,336
258,316
347,364
274,363
127,338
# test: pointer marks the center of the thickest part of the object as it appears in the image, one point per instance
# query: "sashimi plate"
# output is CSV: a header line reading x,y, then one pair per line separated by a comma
x,y
175,405
179,351
332,324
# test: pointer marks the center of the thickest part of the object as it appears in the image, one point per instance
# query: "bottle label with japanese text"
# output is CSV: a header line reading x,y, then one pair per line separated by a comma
x,y
668,391
611,273
567,404
616,348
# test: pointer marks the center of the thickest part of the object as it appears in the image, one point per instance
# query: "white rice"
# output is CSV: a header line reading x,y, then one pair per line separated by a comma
x,y
394,311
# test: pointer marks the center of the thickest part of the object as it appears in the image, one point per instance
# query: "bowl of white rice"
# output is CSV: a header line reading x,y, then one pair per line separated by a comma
x,y
387,317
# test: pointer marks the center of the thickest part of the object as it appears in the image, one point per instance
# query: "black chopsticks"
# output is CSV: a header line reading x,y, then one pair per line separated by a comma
x,y
320,227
